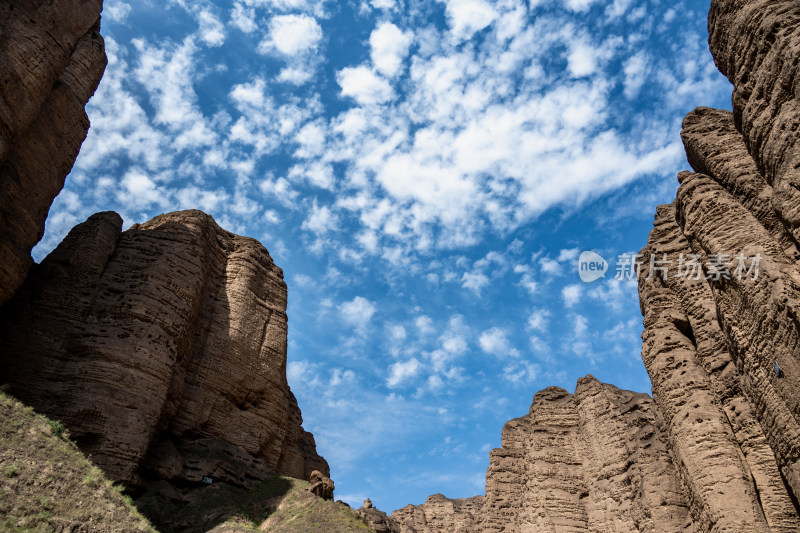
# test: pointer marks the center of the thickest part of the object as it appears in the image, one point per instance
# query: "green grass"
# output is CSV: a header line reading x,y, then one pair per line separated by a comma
x,y
48,484
302,512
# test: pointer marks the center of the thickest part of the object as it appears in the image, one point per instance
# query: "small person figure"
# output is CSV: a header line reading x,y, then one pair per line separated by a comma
x,y
778,370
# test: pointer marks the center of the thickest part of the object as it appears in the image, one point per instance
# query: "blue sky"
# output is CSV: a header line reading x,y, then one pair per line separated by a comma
x,y
426,173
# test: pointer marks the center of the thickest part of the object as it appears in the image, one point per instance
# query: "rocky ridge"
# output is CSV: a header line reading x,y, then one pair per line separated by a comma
x,y
161,348
439,513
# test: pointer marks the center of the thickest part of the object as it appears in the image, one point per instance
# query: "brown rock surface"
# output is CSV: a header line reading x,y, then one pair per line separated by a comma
x,y
711,344
593,461
163,349
376,520
321,485
51,59
439,513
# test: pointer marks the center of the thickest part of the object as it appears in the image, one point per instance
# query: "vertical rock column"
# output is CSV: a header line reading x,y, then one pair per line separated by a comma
x,y
595,461
51,59
163,349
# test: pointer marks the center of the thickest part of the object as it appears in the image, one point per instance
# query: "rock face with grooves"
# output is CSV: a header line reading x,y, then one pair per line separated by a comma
x,y
712,342
439,513
593,461
376,520
163,350
51,59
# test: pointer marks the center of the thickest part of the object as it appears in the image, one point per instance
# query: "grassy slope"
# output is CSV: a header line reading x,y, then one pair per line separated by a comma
x,y
302,512
47,484
278,504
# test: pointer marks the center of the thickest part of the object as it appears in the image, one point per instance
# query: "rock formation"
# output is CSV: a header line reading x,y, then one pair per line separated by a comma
x,y
163,350
593,461
51,59
717,449
376,519
321,485
439,513
722,347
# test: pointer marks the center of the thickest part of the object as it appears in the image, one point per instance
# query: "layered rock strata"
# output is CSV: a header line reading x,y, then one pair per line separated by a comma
x,y
593,461
163,350
439,513
376,520
722,342
51,59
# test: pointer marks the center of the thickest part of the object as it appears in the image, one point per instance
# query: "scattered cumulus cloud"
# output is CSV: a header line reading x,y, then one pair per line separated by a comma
x,y
357,312
292,35
116,10
571,294
364,86
389,47
402,372
466,17
495,342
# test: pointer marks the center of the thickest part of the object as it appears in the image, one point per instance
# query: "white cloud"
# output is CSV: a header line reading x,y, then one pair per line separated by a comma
x,y
424,324
139,190
364,86
618,8
243,18
389,48
571,294
474,281
539,320
495,341
466,17
397,332
582,58
579,5
116,10
383,4
292,35
568,255
357,312
402,372
211,29
296,74
636,70
168,76
321,220
522,372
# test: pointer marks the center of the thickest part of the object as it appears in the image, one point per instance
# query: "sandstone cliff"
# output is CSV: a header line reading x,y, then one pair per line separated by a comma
x,y
593,461
439,513
717,449
51,60
163,349
722,348
597,460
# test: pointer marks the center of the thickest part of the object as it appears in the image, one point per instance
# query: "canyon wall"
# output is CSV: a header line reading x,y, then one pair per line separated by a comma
x,y
722,347
717,449
439,513
51,59
597,460
163,350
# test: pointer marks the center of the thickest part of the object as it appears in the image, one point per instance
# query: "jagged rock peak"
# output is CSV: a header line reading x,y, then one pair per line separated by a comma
x,y
163,349
51,59
593,461
439,513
